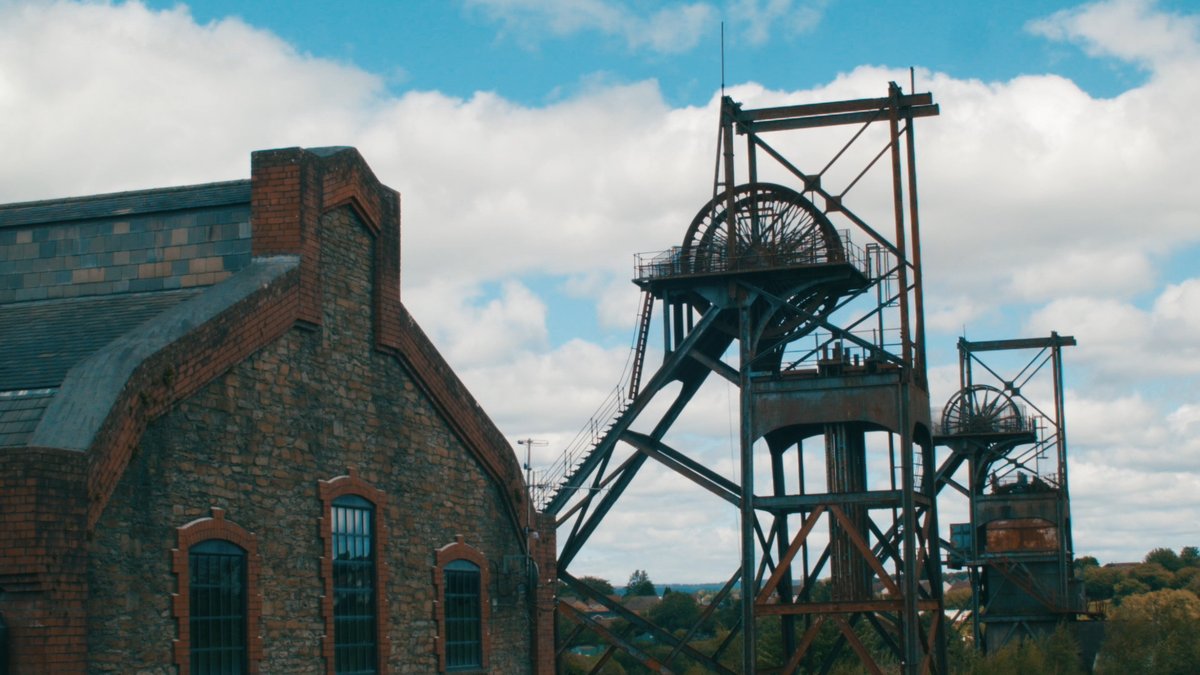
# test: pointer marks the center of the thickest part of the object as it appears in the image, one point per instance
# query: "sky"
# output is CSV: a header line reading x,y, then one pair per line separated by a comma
x,y
539,145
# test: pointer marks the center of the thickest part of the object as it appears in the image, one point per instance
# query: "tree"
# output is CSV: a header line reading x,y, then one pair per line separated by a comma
x,y
1101,581
1165,557
1189,556
1154,575
677,611
1153,633
1056,653
1128,586
640,584
597,584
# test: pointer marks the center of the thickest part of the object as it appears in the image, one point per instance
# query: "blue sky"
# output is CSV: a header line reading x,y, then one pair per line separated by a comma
x,y
539,145
459,47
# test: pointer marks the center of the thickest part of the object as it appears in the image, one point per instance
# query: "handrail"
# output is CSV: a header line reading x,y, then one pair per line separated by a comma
x,y
673,263
581,445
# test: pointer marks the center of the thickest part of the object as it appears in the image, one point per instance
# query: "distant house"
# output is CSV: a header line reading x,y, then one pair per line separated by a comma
x,y
640,604
591,609
225,445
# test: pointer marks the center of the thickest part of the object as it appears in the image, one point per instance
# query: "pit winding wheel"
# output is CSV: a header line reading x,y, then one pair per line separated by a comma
x,y
774,228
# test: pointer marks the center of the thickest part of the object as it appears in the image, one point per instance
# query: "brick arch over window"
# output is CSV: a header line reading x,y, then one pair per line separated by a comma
x,y
196,532
330,490
459,552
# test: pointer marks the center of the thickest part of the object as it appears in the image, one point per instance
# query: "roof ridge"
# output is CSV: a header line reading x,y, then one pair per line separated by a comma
x,y
128,202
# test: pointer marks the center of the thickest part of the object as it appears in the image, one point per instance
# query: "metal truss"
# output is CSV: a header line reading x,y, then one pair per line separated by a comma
x,y
822,338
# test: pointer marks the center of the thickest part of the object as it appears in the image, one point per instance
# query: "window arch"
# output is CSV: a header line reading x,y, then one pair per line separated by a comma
x,y
217,607
460,579
354,574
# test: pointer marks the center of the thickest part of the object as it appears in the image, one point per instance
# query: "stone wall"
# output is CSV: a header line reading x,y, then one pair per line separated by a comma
x,y
255,442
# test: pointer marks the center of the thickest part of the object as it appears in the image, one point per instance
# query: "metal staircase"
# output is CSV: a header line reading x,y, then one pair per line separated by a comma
x,y
606,417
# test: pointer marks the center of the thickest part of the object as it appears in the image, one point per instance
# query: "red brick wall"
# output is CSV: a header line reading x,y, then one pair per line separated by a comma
x,y
42,571
544,549
292,187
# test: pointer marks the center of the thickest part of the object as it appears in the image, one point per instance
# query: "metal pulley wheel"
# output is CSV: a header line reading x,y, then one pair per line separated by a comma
x,y
979,409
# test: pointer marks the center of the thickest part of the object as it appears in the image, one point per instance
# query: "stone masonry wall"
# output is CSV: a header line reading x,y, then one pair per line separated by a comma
x,y
255,443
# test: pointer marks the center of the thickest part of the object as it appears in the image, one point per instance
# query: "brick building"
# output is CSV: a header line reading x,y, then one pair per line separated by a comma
x,y
225,446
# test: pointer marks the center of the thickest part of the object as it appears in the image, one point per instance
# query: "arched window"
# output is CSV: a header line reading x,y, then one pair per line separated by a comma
x,y
217,589
354,572
217,608
354,612
464,629
460,579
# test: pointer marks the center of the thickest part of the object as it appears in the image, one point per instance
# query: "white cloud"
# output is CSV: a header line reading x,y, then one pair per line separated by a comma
x,y
97,97
1131,30
1119,340
672,29
1038,201
758,18
474,333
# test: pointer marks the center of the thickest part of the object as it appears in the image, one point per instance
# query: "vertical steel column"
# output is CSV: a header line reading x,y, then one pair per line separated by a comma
x,y
915,226
846,472
746,354
728,112
910,582
1066,544
782,540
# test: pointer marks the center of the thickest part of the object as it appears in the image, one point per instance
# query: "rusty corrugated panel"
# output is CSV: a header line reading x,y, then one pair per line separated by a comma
x,y
1030,534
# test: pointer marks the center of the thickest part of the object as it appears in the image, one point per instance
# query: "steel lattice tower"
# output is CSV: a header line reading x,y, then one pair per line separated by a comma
x,y
814,315
1005,434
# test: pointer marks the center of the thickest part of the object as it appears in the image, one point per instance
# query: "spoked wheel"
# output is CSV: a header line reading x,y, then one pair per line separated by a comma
x,y
980,409
774,227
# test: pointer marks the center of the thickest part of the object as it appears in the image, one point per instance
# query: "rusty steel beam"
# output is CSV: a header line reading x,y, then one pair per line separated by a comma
x,y
1019,343
830,120
879,499
582,619
660,634
845,607
832,107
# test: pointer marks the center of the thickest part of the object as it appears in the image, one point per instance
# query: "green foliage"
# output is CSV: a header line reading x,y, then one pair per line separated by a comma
x,y
599,585
1128,586
1101,582
1153,633
640,584
1057,653
1154,575
676,612
1165,557
1189,556
959,598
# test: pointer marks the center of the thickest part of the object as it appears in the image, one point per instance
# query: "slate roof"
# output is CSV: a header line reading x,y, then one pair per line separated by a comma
x,y
19,414
123,203
41,340
44,340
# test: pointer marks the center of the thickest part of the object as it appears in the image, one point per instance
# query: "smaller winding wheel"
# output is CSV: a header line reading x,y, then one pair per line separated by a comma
x,y
980,409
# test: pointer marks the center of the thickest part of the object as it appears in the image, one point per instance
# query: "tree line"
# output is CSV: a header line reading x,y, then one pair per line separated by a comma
x,y
1152,611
